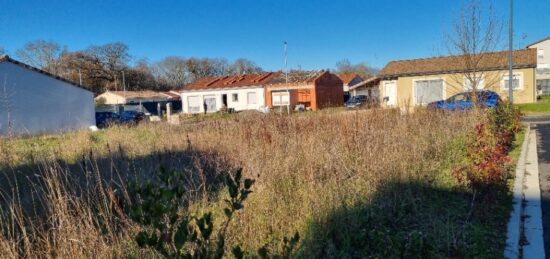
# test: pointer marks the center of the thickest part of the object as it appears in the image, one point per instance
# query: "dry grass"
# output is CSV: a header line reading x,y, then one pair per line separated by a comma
x,y
325,175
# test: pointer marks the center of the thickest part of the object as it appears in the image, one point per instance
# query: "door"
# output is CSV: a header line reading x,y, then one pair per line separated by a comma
x,y
210,103
390,93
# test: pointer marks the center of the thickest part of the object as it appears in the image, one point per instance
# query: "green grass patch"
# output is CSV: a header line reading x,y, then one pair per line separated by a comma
x,y
542,106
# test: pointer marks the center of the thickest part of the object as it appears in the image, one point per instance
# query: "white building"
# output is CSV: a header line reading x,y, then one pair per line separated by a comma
x,y
369,87
543,64
238,93
33,101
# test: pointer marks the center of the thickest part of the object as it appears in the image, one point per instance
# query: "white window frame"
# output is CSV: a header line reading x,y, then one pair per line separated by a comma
x,y
540,53
189,104
481,83
505,76
233,99
428,79
248,98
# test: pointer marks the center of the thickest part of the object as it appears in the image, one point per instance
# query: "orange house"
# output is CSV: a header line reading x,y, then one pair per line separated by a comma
x,y
313,89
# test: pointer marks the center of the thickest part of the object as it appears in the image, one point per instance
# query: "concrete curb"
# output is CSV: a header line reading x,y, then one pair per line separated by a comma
x,y
532,212
514,223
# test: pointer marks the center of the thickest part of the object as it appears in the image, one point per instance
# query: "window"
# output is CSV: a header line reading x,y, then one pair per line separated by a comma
x,y
235,97
461,97
193,104
427,91
543,85
279,98
517,84
540,53
251,98
468,82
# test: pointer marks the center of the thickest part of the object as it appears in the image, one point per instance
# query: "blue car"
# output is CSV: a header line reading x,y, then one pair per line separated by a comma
x,y
463,101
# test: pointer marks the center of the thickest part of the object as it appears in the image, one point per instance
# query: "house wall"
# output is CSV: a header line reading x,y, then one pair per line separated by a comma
x,y
38,103
364,90
239,105
299,94
454,83
543,56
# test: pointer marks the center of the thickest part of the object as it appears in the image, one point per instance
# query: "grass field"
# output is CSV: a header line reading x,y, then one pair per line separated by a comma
x,y
542,106
352,184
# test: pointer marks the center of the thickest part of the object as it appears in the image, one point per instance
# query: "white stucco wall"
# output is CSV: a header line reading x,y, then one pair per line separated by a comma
x,y
38,103
239,105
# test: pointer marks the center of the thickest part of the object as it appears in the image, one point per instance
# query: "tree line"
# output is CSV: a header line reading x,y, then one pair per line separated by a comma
x,y
111,67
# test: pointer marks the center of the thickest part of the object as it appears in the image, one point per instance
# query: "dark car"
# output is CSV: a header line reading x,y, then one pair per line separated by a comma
x,y
106,118
132,116
361,101
463,101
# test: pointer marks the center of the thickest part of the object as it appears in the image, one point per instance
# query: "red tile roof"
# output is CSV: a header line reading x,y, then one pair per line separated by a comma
x,y
297,77
222,82
525,58
347,77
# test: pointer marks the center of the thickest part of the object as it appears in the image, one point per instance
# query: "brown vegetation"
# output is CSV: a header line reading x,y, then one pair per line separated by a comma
x,y
351,183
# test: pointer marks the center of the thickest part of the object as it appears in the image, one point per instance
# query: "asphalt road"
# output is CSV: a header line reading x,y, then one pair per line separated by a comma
x,y
541,124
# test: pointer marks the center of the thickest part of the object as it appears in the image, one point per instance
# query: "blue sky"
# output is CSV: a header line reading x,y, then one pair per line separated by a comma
x,y
319,33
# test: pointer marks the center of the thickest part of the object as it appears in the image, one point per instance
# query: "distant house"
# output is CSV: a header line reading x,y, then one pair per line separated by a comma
x,y
369,87
543,64
420,81
33,101
240,92
349,80
313,89
149,101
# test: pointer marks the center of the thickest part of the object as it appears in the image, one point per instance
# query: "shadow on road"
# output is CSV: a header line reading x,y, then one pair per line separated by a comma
x,y
543,150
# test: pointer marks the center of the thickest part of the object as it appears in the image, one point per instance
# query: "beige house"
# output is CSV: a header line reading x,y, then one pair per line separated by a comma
x,y
407,83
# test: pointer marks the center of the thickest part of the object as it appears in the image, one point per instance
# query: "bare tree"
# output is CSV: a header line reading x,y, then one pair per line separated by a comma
x,y
171,71
362,69
475,35
244,66
41,54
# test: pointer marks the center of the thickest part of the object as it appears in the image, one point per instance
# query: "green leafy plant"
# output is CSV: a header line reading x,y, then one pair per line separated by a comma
x,y
168,227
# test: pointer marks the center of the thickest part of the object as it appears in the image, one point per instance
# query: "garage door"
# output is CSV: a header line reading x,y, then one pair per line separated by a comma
x,y
279,99
194,104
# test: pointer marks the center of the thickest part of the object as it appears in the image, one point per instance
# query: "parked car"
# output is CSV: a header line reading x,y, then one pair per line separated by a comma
x,y
106,118
132,116
463,101
361,101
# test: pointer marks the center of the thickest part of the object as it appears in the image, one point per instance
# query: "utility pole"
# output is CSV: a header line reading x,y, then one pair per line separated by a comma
x,y
286,80
80,76
510,57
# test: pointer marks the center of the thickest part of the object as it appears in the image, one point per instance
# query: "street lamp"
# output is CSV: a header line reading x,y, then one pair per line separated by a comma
x,y
510,58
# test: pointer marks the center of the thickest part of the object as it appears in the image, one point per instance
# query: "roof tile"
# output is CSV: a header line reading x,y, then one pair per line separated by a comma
x,y
452,64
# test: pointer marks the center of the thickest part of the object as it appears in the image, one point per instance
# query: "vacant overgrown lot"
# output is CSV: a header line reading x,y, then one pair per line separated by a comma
x,y
352,184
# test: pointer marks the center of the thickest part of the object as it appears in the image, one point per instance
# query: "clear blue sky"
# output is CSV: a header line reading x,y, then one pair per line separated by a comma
x,y
319,33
